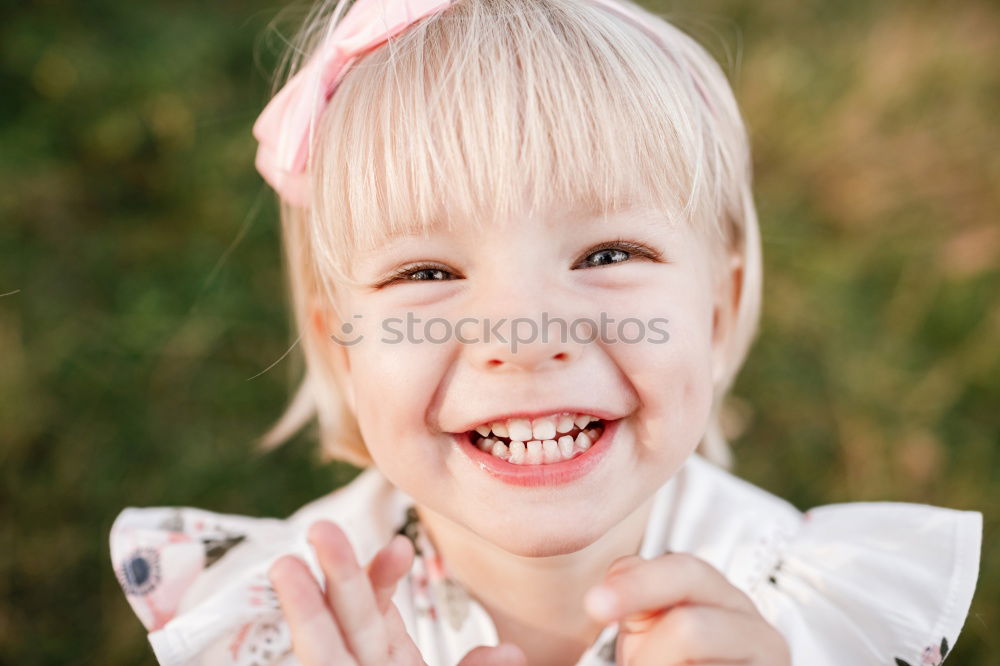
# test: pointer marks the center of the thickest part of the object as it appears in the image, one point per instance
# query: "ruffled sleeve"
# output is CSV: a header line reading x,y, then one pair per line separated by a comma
x,y
869,582
198,581
162,555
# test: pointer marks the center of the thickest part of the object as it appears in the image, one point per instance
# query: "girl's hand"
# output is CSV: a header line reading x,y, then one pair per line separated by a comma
x,y
354,622
679,609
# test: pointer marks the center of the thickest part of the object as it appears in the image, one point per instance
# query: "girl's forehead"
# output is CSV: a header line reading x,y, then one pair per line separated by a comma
x,y
562,217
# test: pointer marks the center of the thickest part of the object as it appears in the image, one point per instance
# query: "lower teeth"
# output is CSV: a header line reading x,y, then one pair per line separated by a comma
x,y
541,452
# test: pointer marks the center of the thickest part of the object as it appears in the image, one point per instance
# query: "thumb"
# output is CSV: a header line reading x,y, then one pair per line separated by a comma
x,y
505,654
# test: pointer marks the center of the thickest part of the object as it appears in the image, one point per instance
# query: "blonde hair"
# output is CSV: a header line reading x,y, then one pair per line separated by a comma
x,y
487,105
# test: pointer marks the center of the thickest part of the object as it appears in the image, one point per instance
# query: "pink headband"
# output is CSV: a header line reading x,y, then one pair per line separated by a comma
x,y
284,129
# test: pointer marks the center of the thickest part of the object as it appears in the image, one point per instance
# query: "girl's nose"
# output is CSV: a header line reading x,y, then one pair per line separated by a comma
x,y
522,347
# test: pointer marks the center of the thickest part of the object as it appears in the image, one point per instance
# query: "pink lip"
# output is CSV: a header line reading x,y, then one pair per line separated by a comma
x,y
545,474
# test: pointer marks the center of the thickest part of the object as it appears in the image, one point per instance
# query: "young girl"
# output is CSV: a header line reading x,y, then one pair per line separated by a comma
x,y
525,265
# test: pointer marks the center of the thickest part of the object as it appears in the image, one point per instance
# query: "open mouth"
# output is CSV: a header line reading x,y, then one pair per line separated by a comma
x,y
556,440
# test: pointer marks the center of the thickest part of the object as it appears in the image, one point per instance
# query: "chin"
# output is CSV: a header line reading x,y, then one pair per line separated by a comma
x,y
541,542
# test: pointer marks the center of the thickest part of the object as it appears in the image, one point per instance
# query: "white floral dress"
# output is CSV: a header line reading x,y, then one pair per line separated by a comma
x,y
864,583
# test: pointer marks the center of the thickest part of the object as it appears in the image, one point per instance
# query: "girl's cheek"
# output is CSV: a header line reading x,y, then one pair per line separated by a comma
x,y
672,376
393,387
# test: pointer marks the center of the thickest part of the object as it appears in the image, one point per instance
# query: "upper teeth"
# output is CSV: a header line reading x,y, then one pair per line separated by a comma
x,y
541,428
535,452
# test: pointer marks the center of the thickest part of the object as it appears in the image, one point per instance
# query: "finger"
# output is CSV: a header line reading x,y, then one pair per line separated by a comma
x,y
315,636
349,595
505,654
387,567
700,634
668,580
623,564
615,568
401,645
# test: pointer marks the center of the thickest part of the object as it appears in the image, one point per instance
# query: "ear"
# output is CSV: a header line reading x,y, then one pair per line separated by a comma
x,y
328,335
727,302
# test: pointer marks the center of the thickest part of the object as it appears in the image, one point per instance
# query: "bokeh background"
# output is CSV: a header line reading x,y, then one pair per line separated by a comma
x,y
143,322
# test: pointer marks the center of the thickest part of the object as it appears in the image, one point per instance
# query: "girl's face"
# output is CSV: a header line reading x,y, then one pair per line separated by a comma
x,y
418,380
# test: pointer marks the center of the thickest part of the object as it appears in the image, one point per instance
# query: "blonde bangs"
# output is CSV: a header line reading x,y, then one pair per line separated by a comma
x,y
491,110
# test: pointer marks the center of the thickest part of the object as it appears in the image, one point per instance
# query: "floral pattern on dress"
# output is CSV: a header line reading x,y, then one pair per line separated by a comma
x,y
433,585
932,655
156,562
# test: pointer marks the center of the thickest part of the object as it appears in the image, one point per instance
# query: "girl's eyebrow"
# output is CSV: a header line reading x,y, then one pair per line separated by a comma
x,y
389,240
376,256
642,216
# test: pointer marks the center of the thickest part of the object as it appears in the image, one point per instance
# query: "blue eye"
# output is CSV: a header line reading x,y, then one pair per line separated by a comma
x,y
608,256
616,252
427,274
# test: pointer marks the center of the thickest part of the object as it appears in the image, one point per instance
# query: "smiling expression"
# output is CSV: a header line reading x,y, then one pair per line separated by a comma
x,y
415,399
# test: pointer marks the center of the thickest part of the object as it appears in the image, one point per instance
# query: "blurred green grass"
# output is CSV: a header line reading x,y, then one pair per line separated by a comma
x,y
141,295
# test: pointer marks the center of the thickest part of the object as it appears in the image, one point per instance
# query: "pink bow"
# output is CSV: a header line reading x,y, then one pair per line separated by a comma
x,y
284,128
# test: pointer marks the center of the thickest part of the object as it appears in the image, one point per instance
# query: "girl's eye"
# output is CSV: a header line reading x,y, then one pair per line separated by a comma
x,y
609,256
426,274
616,252
419,273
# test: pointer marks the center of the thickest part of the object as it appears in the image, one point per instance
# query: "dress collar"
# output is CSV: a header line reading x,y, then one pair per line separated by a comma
x,y
438,598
